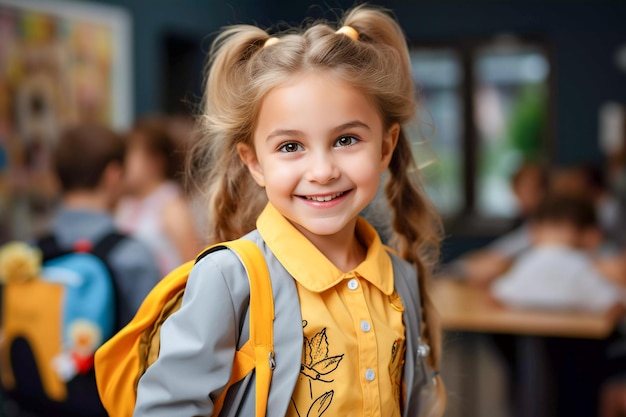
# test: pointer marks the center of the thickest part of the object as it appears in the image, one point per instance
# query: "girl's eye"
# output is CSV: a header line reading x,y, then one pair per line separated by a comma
x,y
345,141
290,147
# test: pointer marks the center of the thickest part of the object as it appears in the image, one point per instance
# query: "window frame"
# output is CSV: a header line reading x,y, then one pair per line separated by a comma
x,y
468,222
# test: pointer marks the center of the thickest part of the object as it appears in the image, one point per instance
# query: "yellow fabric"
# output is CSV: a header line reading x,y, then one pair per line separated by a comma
x,y
119,363
150,340
242,365
43,331
314,270
352,323
261,319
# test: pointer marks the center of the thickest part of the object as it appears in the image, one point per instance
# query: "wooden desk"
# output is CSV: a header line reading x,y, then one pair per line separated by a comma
x,y
469,308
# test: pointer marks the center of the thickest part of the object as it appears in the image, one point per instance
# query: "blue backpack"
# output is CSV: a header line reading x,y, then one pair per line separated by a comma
x,y
52,326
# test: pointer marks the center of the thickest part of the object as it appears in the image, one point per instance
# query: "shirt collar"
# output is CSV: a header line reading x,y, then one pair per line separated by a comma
x,y
314,271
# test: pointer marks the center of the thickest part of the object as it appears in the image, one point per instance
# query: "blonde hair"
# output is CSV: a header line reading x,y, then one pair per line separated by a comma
x,y
242,71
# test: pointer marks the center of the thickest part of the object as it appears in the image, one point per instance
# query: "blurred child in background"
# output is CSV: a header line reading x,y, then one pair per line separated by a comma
x,y
155,209
88,161
589,181
558,271
529,185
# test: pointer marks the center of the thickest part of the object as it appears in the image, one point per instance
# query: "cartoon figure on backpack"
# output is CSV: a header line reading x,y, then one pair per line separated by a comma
x,y
77,358
19,263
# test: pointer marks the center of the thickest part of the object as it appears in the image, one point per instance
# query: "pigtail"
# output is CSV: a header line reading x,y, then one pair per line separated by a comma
x,y
234,199
417,228
376,26
416,224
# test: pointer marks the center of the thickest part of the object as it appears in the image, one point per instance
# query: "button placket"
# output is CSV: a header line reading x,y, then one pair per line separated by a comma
x,y
355,291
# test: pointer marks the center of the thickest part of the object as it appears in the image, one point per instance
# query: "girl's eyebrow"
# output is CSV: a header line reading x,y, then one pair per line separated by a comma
x,y
338,129
283,132
351,125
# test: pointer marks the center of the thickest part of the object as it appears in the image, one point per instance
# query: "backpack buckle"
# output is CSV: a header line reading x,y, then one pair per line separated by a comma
x,y
423,349
272,361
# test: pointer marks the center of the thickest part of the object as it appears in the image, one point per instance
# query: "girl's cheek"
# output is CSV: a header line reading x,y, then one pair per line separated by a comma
x,y
135,168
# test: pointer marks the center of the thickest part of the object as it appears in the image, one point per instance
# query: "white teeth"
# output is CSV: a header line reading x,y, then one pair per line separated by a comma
x,y
324,198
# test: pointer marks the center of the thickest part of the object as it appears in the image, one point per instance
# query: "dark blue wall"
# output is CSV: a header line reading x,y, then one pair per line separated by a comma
x,y
153,20
584,36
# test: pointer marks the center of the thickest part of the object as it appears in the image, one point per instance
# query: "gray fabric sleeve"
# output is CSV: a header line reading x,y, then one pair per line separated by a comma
x,y
415,369
136,273
198,342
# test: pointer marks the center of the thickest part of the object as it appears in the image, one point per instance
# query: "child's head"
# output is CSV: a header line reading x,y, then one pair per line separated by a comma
x,y
153,156
319,149
89,158
567,221
243,73
586,180
316,114
529,185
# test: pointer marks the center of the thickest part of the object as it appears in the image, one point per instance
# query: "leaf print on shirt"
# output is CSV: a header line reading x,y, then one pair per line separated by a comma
x,y
317,363
317,366
319,406
396,366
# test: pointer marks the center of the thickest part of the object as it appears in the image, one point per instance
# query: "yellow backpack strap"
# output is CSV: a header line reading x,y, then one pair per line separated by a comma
x,y
260,347
243,364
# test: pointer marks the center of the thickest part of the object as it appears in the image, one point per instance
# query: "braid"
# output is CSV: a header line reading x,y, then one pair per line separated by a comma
x,y
417,236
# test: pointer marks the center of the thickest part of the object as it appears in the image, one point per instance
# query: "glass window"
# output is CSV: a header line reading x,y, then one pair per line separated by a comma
x,y
437,131
510,109
483,111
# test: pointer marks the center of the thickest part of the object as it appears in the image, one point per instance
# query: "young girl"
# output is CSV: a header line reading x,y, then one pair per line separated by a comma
x,y
299,130
155,210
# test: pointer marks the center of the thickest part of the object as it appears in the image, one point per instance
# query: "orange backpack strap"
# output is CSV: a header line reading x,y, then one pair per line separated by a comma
x,y
258,352
119,364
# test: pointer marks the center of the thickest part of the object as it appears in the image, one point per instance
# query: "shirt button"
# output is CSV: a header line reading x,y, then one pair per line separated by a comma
x,y
365,326
353,284
370,374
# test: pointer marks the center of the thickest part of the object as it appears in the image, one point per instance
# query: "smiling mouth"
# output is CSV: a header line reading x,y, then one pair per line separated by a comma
x,y
324,198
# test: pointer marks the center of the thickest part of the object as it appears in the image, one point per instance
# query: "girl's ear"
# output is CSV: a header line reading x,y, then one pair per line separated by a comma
x,y
248,156
390,140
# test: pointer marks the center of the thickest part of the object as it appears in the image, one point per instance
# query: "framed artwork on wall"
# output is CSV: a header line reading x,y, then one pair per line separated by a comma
x,y
61,63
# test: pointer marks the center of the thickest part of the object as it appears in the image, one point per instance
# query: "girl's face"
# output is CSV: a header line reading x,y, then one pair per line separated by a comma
x,y
319,150
140,166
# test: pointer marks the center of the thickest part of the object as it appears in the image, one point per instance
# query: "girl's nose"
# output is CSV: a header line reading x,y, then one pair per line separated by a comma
x,y
322,168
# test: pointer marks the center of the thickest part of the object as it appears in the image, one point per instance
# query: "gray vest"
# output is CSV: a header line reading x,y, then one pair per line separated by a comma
x,y
288,341
196,355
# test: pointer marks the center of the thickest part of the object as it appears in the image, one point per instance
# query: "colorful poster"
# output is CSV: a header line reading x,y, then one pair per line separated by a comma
x,y
60,63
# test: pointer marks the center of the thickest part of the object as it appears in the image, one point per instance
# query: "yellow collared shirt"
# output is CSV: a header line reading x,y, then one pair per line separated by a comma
x,y
353,349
